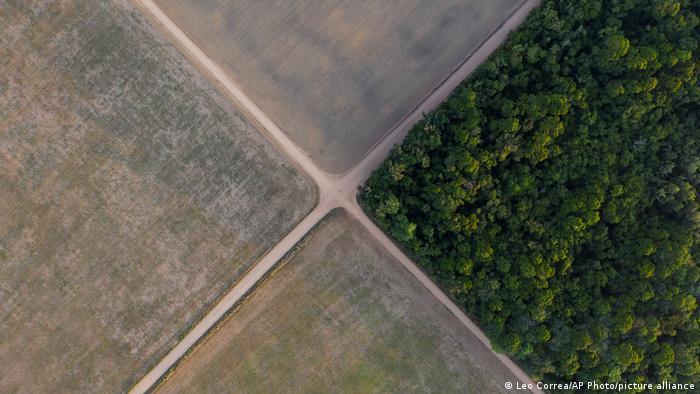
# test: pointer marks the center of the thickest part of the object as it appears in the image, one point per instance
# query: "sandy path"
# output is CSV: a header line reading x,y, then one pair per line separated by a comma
x,y
334,191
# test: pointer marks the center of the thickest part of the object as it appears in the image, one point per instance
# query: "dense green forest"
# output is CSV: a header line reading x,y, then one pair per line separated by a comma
x,y
554,195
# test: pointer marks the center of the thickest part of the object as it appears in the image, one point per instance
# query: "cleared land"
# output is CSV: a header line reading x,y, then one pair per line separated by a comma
x,y
131,195
338,75
341,316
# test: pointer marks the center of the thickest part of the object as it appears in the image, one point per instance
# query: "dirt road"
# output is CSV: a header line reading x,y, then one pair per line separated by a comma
x,y
334,191
239,290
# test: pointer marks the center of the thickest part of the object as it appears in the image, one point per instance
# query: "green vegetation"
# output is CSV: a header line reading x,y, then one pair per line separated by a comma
x,y
343,316
321,68
555,193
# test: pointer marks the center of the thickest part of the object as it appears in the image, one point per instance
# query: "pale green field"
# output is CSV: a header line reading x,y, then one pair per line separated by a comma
x,y
337,75
131,196
341,316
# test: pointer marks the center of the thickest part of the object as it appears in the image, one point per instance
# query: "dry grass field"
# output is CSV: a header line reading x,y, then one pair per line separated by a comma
x,y
131,195
341,316
337,75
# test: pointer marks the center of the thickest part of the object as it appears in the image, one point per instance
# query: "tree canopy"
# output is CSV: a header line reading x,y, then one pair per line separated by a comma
x,y
554,195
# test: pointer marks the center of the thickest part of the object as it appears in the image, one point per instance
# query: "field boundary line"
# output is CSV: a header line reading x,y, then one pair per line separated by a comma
x,y
225,303
454,74
281,263
379,151
334,191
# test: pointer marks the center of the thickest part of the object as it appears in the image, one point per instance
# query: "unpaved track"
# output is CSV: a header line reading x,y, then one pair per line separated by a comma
x,y
333,191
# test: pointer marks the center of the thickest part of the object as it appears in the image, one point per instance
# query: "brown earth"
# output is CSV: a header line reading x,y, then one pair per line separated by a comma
x,y
341,316
132,195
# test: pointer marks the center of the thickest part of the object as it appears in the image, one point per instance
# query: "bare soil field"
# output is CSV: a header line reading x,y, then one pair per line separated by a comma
x,y
131,195
338,75
341,316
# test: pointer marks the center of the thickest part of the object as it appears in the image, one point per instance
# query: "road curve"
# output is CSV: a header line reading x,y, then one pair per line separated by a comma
x,y
334,191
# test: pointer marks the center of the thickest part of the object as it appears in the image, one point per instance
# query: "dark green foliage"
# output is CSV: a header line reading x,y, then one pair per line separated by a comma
x,y
555,193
